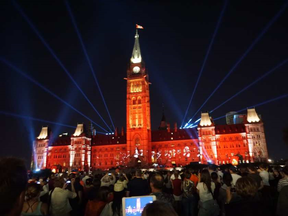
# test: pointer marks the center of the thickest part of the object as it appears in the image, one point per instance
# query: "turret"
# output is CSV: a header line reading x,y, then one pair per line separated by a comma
x,y
252,116
205,120
175,127
122,131
79,130
44,134
168,128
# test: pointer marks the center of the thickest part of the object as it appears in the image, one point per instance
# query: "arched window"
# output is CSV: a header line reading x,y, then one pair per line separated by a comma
x,y
139,100
134,101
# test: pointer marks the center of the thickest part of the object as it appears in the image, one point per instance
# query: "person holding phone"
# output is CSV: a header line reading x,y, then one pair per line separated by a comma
x,y
108,180
59,197
119,192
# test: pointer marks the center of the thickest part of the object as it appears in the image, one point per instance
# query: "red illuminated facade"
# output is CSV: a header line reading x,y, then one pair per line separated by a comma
x,y
240,142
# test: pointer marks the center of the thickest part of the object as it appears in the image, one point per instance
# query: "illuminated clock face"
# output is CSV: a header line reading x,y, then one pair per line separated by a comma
x,y
136,69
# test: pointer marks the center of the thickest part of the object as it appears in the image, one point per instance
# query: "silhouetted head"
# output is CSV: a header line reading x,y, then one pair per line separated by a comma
x,y
158,208
13,181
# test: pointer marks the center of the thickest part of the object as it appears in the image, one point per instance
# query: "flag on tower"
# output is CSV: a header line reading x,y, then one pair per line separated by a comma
x,y
139,26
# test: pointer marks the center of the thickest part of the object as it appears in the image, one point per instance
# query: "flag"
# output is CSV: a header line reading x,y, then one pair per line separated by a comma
x,y
139,26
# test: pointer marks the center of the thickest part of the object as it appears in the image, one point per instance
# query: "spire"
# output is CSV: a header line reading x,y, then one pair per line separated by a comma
x,y
163,124
136,54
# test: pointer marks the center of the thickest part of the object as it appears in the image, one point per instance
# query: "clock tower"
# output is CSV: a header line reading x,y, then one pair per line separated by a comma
x,y
138,120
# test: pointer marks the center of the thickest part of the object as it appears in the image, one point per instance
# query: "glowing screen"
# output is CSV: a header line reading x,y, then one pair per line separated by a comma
x,y
135,205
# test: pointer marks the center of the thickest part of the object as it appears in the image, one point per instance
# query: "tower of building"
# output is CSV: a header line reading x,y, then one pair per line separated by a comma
x,y
256,136
207,143
80,149
138,120
40,148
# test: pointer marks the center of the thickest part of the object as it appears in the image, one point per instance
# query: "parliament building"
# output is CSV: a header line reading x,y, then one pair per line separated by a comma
x,y
241,140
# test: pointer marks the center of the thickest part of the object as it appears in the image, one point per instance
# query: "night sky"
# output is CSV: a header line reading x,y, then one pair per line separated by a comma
x,y
173,45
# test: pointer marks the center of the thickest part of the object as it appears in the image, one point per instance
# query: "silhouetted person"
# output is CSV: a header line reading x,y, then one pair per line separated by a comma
x,y
156,185
158,208
282,209
13,181
32,204
137,186
255,175
234,175
247,202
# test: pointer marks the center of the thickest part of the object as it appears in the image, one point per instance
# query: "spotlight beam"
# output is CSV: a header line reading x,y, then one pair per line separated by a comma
x,y
251,84
259,104
88,59
205,59
245,54
34,119
47,90
37,119
57,59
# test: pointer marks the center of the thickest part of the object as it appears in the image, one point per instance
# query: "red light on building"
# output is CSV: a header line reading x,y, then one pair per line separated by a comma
x,y
139,146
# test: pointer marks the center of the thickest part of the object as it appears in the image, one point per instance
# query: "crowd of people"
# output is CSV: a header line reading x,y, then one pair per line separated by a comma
x,y
209,191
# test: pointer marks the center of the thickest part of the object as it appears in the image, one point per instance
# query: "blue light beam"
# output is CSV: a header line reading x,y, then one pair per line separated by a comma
x,y
245,54
205,59
259,104
88,59
34,119
47,90
57,59
251,84
37,119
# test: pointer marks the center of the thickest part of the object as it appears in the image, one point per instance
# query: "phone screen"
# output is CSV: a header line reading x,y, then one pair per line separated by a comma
x,y
68,182
135,205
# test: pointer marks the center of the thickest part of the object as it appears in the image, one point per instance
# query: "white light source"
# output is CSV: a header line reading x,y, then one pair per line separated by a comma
x,y
44,133
37,170
79,130
269,160
205,120
252,116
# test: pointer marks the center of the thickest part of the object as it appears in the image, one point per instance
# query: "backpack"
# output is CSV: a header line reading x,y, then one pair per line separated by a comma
x,y
188,188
